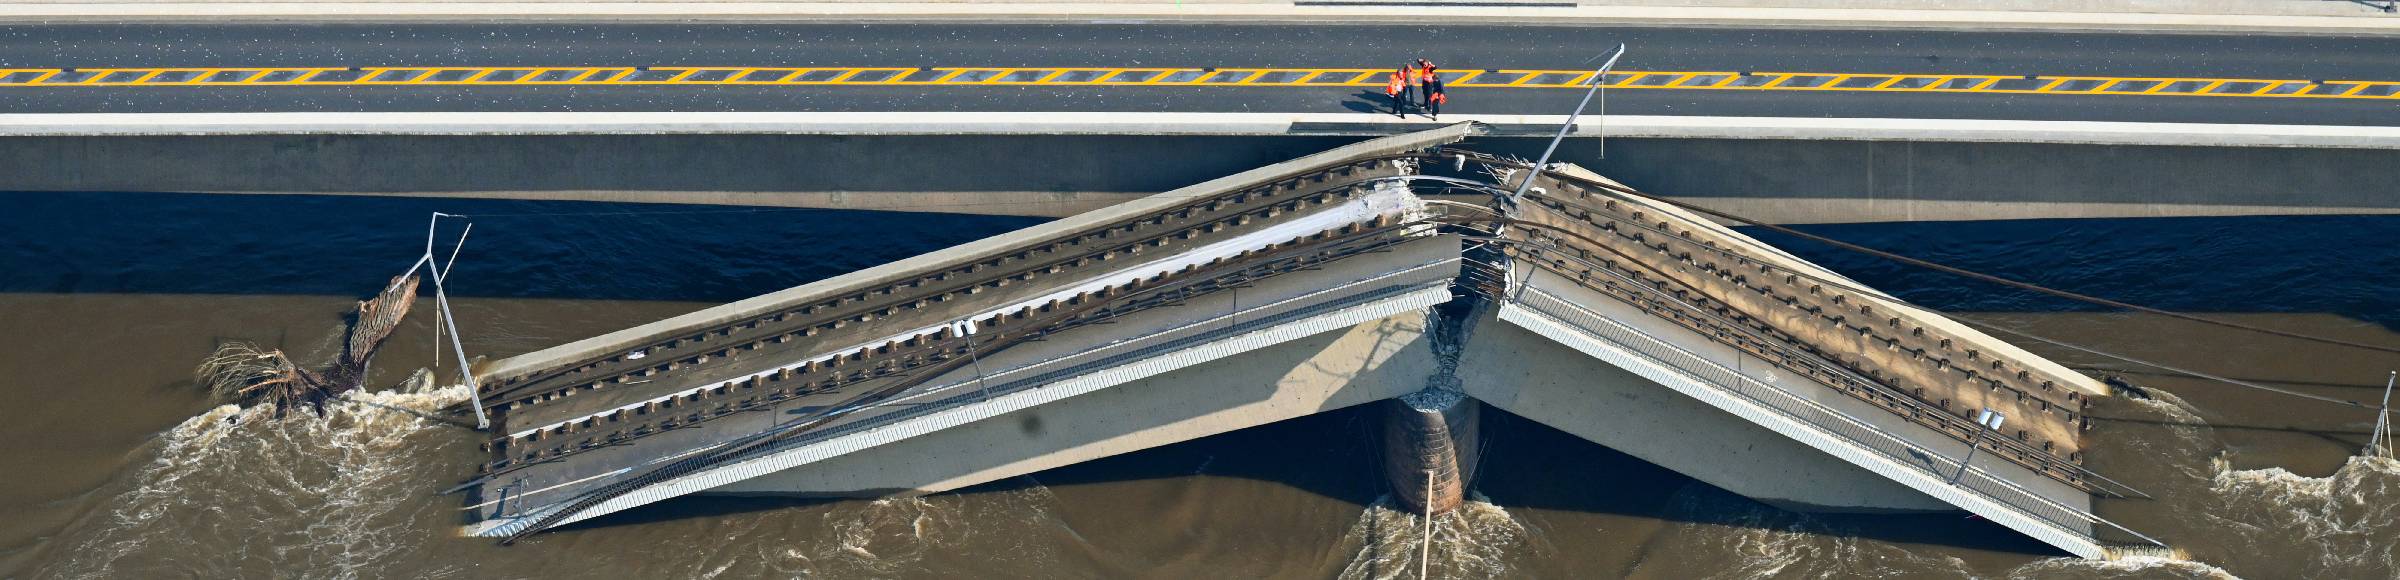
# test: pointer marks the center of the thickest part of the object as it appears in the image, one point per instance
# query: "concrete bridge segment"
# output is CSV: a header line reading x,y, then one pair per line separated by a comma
x,y
1354,364
601,422
1245,314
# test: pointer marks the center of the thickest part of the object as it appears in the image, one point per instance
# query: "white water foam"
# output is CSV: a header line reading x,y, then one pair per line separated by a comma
x,y
239,492
1478,540
2191,442
2140,567
2168,404
1014,530
1728,536
2348,521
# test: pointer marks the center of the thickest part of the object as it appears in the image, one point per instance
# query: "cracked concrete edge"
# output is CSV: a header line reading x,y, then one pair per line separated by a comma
x,y
2106,17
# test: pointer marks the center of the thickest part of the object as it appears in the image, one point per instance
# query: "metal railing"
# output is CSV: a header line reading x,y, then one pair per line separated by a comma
x,y
1192,334
1641,294
1796,407
1060,370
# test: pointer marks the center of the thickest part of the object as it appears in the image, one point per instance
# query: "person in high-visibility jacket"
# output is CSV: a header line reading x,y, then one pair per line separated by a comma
x,y
1397,89
1416,83
1434,97
1425,79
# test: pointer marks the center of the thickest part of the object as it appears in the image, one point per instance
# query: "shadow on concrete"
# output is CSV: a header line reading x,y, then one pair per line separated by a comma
x,y
1532,465
1369,102
1528,465
1331,454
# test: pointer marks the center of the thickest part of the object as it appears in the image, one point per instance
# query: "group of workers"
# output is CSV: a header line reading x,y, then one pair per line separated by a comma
x,y
1416,84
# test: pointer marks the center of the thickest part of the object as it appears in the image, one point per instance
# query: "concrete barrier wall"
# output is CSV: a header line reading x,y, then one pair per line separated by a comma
x,y
1793,181
1015,175
1842,181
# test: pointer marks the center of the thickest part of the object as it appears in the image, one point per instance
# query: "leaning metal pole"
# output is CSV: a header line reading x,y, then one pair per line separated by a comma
x,y
2378,443
440,299
1599,79
1972,445
1425,553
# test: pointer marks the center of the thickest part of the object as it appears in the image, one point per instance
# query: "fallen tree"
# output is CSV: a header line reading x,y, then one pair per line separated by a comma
x,y
243,373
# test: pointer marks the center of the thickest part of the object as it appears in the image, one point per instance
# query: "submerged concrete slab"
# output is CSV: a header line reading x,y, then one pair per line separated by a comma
x,y
1361,364
1517,371
1367,362
1833,424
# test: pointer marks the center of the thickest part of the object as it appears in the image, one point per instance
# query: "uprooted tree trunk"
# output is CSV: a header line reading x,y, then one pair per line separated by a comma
x,y
246,374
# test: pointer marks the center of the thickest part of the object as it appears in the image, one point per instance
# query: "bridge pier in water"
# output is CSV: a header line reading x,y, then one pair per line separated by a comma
x,y
1354,276
1431,442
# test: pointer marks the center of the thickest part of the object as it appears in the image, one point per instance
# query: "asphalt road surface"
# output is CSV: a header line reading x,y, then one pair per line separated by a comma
x,y
1457,48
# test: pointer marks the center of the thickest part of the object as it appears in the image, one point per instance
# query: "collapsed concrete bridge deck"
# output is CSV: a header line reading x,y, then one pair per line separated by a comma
x,y
1294,289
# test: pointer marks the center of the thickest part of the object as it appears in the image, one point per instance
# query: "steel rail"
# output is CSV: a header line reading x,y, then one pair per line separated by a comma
x,y
1863,380
1890,396
1953,270
1006,337
946,348
513,388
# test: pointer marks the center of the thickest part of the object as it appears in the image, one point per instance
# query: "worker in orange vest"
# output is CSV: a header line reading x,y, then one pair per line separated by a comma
x,y
1434,98
1397,89
1416,83
1424,83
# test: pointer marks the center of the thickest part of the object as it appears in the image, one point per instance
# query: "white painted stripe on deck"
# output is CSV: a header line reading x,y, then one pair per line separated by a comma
x,y
1381,203
1068,123
1099,379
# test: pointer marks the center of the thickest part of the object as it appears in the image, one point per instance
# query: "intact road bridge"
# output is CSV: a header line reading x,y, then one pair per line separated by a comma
x,y
1792,125
1216,67
1397,272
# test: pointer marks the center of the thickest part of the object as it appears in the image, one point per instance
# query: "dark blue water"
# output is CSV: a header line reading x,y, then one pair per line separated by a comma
x,y
2346,265
190,243
239,244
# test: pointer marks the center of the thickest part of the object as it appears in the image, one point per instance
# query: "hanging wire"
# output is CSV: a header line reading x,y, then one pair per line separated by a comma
x,y
1845,284
1953,270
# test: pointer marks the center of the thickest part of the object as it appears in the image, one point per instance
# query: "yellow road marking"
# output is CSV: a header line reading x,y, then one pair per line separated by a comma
x,y
1154,76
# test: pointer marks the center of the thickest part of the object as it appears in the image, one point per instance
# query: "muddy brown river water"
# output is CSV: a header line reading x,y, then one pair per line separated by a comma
x,y
121,468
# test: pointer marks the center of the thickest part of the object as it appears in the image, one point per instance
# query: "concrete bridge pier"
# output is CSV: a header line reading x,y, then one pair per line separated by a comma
x,y
1430,440
1433,437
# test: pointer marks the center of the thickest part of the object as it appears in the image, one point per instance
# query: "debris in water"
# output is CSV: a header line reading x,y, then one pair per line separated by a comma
x,y
243,373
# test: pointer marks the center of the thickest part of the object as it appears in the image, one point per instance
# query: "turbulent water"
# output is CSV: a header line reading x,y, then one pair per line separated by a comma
x,y
124,470
327,495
